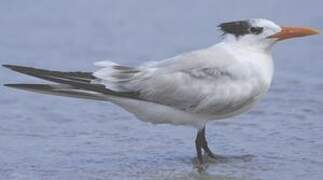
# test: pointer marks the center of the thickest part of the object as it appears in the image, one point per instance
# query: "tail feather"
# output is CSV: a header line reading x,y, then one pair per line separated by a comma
x,y
114,76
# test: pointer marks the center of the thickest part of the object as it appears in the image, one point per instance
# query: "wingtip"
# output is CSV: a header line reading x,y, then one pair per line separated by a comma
x,y
14,85
12,67
21,69
9,85
21,86
6,65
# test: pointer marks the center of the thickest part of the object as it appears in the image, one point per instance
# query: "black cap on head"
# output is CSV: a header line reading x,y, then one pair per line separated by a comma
x,y
237,28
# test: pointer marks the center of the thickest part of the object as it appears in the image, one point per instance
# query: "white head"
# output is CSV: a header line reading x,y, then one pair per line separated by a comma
x,y
261,33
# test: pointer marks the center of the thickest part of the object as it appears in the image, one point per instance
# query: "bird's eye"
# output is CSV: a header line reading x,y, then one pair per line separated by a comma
x,y
256,30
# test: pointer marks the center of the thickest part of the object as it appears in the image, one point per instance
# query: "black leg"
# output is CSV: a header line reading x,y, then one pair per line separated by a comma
x,y
205,146
198,145
201,143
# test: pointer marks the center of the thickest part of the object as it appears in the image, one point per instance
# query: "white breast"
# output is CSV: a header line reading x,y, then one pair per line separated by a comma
x,y
255,68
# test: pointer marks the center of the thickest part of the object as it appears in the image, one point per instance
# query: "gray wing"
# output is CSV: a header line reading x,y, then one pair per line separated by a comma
x,y
196,83
201,90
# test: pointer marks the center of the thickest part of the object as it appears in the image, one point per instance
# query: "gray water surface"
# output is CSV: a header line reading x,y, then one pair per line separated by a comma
x,y
47,137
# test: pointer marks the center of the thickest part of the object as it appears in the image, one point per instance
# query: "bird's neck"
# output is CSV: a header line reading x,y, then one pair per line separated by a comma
x,y
259,58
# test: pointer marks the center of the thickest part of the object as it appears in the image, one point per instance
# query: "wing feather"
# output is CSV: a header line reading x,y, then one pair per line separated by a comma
x,y
77,80
197,82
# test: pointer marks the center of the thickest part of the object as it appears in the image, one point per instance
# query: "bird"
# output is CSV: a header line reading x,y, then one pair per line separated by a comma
x,y
190,89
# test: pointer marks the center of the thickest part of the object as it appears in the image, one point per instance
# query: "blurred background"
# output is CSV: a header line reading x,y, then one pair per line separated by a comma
x,y
48,137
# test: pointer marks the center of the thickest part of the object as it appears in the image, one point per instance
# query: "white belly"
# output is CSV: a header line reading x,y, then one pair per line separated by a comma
x,y
161,114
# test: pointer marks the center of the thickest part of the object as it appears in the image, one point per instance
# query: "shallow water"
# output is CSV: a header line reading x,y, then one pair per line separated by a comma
x,y
45,137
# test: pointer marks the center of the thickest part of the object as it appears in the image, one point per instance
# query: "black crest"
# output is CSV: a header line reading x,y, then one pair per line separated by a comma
x,y
237,28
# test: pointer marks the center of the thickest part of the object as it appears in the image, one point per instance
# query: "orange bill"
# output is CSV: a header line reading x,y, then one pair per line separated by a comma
x,y
292,32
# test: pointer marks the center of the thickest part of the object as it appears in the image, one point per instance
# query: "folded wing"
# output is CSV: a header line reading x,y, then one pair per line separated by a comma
x,y
196,82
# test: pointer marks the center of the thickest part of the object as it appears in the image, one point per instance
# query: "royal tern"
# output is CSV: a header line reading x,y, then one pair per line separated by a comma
x,y
190,89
